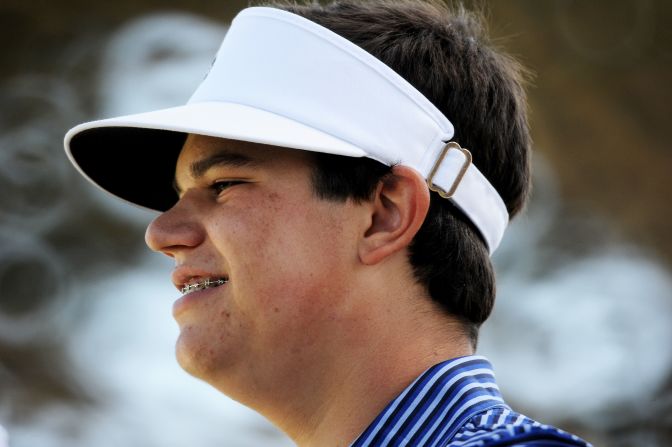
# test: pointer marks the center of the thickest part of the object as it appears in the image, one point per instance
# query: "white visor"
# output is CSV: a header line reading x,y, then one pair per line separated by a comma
x,y
282,80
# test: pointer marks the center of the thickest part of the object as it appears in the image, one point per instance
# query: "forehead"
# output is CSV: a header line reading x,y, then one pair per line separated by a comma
x,y
199,146
200,153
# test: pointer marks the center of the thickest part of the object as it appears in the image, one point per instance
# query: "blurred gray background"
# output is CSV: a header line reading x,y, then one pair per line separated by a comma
x,y
582,330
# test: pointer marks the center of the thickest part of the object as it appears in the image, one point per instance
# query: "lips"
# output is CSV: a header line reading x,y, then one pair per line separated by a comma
x,y
194,285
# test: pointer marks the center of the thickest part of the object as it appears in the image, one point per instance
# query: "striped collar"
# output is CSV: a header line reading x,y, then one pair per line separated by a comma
x,y
433,408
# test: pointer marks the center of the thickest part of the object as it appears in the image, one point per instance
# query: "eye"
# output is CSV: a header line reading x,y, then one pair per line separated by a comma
x,y
221,185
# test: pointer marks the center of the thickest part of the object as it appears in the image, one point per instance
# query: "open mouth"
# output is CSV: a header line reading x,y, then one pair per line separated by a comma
x,y
204,284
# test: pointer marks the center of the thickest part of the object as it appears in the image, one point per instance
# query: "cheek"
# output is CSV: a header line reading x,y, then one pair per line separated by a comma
x,y
288,235
308,289
284,251
296,257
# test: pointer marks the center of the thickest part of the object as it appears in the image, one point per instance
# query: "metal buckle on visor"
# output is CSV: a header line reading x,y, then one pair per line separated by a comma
x,y
463,170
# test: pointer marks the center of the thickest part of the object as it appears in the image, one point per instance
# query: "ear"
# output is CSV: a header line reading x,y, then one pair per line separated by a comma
x,y
397,212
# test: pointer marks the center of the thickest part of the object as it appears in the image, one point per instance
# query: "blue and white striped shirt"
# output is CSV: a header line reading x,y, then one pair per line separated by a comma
x,y
457,403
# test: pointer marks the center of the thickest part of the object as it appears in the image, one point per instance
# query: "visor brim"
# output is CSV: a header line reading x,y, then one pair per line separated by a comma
x,y
133,157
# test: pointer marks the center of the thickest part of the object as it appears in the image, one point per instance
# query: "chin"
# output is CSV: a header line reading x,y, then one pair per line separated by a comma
x,y
200,360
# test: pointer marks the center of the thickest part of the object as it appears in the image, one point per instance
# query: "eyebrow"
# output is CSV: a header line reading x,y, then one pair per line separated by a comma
x,y
220,159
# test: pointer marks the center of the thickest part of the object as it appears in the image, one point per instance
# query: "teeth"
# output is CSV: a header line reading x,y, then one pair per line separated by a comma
x,y
203,285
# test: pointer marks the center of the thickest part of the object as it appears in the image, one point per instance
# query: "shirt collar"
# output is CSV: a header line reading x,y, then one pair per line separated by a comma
x,y
435,405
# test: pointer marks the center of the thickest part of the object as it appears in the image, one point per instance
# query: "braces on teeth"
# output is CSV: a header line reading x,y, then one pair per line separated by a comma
x,y
203,285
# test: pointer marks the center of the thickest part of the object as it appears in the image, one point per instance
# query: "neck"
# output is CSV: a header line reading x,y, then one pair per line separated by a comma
x,y
346,410
365,371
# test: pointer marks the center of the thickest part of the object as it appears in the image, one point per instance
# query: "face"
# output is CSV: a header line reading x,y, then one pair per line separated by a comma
x,y
247,214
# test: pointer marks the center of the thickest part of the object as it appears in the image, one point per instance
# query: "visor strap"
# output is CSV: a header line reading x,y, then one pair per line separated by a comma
x,y
454,177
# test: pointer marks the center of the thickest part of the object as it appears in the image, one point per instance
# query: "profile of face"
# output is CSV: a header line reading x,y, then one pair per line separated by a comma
x,y
247,214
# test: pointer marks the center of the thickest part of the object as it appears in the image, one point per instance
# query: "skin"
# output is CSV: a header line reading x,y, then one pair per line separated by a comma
x,y
321,302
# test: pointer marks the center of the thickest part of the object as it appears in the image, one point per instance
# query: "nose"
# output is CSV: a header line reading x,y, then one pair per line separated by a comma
x,y
175,230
